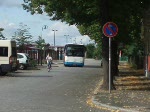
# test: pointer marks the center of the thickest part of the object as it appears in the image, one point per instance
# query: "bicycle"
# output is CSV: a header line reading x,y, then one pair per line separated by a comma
x,y
49,67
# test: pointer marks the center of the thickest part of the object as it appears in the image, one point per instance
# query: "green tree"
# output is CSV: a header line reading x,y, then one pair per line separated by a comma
x,y
98,51
134,52
2,37
40,42
92,30
93,15
22,37
94,51
41,45
90,48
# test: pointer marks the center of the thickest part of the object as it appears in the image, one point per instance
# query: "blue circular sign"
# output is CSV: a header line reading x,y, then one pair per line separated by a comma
x,y
110,29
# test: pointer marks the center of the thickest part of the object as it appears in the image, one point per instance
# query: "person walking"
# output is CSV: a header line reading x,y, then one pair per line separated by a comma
x,y
49,62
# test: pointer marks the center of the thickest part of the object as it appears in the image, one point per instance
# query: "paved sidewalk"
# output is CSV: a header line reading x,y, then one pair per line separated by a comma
x,y
132,93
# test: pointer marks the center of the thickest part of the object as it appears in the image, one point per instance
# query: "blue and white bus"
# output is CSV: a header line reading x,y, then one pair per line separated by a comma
x,y
74,55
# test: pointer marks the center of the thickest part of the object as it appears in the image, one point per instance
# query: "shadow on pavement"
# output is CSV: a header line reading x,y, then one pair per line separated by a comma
x,y
34,76
37,76
92,66
129,73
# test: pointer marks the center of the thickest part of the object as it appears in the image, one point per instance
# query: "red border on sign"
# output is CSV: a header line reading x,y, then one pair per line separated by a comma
x,y
106,26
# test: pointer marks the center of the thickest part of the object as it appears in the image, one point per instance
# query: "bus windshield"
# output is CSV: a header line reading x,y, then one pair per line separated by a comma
x,y
75,50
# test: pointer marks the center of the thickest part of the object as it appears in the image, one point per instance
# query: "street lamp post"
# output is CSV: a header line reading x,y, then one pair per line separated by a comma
x,y
54,43
54,35
44,27
71,39
43,44
42,53
81,41
66,38
75,40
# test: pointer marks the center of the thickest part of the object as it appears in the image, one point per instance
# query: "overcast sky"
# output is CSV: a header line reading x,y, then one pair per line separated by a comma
x,y
12,13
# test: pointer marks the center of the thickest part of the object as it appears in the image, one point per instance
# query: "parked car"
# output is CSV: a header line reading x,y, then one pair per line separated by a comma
x,y
24,60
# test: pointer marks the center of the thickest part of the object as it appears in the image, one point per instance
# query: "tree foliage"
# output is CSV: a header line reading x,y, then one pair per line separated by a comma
x,y
70,11
93,31
98,51
94,51
2,37
22,36
87,14
90,48
40,42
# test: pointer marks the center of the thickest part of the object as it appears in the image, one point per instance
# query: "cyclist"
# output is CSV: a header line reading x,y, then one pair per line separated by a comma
x,y
49,62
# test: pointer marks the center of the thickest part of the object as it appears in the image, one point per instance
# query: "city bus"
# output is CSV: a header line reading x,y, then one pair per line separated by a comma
x,y
74,55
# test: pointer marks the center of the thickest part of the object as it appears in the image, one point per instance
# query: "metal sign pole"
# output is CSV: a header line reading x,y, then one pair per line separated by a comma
x,y
109,64
110,29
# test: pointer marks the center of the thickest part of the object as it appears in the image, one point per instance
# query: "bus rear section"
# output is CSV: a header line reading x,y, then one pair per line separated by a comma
x,y
74,55
73,61
8,56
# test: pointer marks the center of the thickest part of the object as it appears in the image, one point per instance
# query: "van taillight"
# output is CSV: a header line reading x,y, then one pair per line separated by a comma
x,y
10,60
17,62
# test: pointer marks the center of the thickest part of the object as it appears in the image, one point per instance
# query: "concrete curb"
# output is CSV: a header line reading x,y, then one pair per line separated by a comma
x,y
109,107
105,106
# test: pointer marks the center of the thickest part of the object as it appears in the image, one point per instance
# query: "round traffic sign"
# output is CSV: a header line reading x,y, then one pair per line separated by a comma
x,y
110,29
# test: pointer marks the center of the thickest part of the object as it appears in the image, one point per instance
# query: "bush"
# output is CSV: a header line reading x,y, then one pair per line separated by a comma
x,y
33,62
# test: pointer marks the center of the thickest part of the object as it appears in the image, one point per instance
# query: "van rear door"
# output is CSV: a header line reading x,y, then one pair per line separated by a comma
x,y
13,56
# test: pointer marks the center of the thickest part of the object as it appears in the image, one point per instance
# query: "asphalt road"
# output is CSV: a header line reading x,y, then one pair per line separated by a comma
x,y
63,89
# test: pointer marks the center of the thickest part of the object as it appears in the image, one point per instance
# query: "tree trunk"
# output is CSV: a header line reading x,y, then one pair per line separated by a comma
x,y
115,59
105,54
105,48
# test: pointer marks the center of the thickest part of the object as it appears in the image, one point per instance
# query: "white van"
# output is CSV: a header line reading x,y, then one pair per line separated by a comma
x,y
8,56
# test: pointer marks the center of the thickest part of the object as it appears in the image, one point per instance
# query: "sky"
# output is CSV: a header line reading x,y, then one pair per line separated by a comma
x,y
12,14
